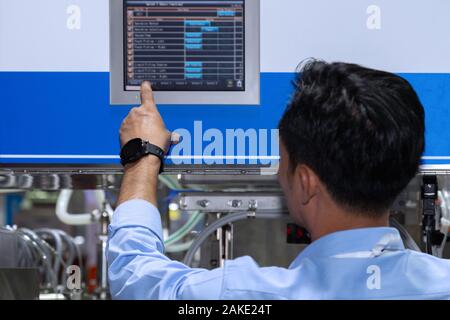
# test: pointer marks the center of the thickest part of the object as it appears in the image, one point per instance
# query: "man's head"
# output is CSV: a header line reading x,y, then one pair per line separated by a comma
x,y
352,135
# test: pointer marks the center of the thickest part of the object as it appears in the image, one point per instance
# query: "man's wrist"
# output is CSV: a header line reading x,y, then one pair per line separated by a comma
x,y
149,163
140,180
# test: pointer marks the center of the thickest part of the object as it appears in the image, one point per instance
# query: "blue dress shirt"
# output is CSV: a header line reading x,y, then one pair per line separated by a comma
x,y
367,263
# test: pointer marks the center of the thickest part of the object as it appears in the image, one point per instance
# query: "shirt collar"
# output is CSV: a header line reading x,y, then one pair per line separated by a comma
x,y
371,241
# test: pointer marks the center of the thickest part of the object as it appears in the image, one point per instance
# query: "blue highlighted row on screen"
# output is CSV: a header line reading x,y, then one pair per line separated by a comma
x,y
226,13
210,29
193,40
195,23
194,46
193,34
194,64
193,70
193,76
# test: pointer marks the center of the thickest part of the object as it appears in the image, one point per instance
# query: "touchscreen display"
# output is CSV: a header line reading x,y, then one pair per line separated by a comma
x,y
191,45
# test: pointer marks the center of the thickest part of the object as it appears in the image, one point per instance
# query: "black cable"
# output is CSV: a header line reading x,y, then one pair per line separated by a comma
x,y
429,195
428,241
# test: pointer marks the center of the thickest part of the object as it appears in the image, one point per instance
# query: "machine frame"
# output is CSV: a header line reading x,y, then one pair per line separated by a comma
x,y
251,95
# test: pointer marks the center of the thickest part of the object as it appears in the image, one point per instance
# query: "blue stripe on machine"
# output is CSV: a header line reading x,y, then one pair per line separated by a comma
x,y
69,114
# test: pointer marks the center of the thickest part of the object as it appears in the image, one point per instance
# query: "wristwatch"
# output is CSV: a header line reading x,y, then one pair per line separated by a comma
x,y
136,149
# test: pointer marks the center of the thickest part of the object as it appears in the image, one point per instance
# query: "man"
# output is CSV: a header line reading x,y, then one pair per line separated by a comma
x,y
351,140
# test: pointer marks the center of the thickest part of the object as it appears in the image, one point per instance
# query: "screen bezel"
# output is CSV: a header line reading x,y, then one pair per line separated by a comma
x,y
251,95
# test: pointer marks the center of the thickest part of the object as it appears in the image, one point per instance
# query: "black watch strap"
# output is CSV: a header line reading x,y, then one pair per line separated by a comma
x,y
151,149
136,149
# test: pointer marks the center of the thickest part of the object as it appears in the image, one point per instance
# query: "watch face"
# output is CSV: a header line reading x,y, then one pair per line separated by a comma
x,y
131,149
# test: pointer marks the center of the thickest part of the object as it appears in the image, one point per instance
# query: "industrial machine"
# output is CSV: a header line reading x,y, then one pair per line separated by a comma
x,y
222,73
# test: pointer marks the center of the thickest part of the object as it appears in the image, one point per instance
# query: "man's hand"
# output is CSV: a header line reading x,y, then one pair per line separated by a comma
x,y
145,122
141,178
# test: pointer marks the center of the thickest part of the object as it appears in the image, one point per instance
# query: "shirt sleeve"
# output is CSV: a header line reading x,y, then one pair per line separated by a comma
x,y
138,268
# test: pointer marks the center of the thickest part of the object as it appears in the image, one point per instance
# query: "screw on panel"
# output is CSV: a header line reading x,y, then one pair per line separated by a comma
x,y
235,203
203,203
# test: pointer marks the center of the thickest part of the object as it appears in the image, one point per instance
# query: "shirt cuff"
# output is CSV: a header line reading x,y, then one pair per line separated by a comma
x,y
137,213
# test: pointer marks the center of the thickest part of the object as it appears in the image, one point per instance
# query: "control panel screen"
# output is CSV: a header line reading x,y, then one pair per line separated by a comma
x,y
191,45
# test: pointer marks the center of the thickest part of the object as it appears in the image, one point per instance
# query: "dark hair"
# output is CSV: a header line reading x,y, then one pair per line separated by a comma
x,y
360,130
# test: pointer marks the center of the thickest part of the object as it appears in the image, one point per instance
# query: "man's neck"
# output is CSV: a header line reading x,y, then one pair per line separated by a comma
x,y
330,219
319,232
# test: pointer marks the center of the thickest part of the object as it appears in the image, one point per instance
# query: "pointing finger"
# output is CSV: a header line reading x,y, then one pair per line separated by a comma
x,y
147,98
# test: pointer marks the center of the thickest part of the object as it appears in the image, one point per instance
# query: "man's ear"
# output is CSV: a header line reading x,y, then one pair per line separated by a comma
x,y
308,182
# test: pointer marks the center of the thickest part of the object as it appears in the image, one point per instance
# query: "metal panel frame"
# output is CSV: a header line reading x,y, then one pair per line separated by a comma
x,y
251,95
82,177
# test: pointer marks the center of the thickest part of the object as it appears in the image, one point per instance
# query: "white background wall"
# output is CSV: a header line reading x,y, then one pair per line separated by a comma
x,y
396,35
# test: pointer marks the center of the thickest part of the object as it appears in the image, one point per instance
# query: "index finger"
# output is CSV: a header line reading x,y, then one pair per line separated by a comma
x,y
147,98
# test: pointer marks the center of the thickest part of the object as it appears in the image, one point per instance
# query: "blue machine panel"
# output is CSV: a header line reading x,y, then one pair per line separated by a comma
x,y
54,90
